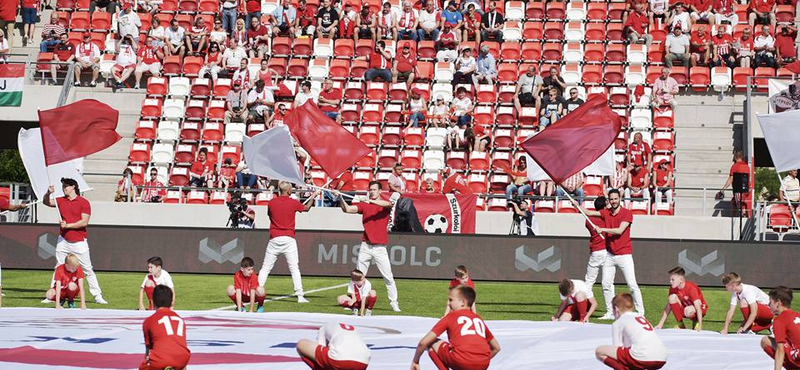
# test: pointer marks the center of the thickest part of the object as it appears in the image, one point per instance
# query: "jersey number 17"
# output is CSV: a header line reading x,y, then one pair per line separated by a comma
x,y
168,325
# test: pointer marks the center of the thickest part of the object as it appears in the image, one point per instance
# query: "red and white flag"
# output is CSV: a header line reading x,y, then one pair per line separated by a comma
x,y
440,213
77,130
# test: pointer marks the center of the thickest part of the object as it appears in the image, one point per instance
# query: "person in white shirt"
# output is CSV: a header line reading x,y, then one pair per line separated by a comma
x,y
4,46
462,107
155,276
338,346
304,95
465,69
125,63
528,87
259,99
407,22
764,47
752,302
396,181
635,344
680,19
87,56
360,296
658,10
791,187
129,23
233,56
577,301
175,35
157,32
428,23
677,48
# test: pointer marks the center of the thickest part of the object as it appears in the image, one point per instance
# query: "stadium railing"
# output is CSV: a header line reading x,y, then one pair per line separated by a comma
x,y
777,219
16,192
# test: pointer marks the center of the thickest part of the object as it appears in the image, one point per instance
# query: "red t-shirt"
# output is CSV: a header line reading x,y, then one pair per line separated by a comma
x,y
4,204
71,211
618,244
763,6
281,212
690,293
406,63
148,55
786,328
697,39
8,10
253,6
245,284
740,167
702,5
376,221
165,335
639,152
454,283
596,241
30,4
786,45
334,94
260,31
638,22
64,51
199,167
347,177
638,179
662,177
378,61
456,183
723,44
66,277
468,336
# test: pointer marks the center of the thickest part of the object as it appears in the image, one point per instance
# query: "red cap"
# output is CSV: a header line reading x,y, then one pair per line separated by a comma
x,y
87,34
126,6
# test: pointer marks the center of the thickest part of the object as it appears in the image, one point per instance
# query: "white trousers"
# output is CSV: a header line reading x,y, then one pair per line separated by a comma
x,y
287,246
81,250
596,261
377,253
660,192
625,263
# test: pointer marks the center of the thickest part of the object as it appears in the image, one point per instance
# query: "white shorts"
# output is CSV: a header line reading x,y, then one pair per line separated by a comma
x,y
153,68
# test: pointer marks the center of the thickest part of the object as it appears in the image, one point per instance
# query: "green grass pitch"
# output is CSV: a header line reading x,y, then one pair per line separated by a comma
x,y
496,300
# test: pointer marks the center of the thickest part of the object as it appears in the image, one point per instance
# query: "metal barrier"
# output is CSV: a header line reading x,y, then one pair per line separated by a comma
x,y
19,192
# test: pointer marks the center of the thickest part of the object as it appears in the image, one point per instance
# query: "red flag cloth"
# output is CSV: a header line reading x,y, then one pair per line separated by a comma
x,y
575,141
330,144
77,130
794,67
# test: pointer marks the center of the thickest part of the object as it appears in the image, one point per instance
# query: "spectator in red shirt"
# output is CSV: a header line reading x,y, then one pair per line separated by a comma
x,y
149,58
227,174
785,48
744,50
636,25
472,24
405,66
639,152
638,184
663,181
200,172
8,17
722,44
700,46
330,99
259,38
479,138
63,52
455,183
253,8
379,63
702,10
763,12
156,193
197,37
304,23
365,23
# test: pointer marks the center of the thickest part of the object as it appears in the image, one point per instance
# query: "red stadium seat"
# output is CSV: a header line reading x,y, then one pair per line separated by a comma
x,y
145,130
545,206
364,48
201,87
411,159
361,180
761,83
195,110
556,10
597,12
456,160
535,10
302,47
222,87
565,206
80,21
172,65
139,153
616,10
780,218
616,53
221,196
552,52
592,74
614,32
426,49
479,161
190,132
498,182
369,135
344,48
208,6
503,138
614,75
377,91
279,65
212,132
554,31
595,32
478,182
653,72
298,68
101,21
372,113
185,153
174,196
414,137
740,75
531,52
192,65
532,31
65,5
197,197
700,78
187,6
151,108
510,51
663,142
358,68
387,158
339,69
185,20
391,136
281,46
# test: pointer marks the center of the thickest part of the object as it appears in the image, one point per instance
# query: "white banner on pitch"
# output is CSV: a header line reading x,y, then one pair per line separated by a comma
x,y
41,176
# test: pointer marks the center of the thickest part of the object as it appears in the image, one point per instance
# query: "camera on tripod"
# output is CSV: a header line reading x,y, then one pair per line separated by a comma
x,y
237,207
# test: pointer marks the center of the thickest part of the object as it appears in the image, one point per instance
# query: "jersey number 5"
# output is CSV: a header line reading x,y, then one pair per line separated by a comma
x,y
645,323
168,326
468,324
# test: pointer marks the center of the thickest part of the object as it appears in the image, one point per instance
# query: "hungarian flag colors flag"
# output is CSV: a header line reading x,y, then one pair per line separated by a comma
x,y
12,77
575,141
433,213
77,130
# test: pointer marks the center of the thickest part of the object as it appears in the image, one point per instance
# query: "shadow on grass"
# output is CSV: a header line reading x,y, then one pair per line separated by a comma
x,y
21,290
513,304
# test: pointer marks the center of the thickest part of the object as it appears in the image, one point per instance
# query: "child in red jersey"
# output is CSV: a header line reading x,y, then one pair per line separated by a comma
x,y
360,296
245,287
685,299
785,346
471,345
68,283
461,278
577,301
164,335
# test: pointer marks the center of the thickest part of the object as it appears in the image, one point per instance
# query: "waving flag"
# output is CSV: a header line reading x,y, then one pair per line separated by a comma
x,y
42,176
782,134
12,80
271,154
77,130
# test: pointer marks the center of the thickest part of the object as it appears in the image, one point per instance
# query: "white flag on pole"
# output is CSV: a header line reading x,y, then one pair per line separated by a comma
x,y
42,176
782,134
271,154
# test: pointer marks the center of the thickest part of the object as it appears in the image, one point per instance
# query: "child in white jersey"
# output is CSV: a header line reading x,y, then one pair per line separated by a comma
x,y
636,345
155,276
360,297
338,347
753,303
577,301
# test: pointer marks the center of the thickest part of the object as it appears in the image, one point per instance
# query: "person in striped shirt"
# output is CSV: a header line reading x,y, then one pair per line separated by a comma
x,y
51,33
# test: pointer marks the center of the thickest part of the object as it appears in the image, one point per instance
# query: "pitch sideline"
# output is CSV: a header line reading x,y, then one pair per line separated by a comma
x,y
286,296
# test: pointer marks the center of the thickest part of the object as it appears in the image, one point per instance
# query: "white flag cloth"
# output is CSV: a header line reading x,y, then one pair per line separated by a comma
x,y
271,154
782,134
41,176
603,166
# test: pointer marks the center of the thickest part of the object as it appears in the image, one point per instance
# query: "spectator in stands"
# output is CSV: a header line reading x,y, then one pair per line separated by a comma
x,y
785,49
283,19
407,22
486,70
147,6
268,75
386,23
232,57
663,181
620,178
744,49
8,18
153,191
791,188
700,46
396,181
638,185
723,46
197,37
573,102
87,56
466,3
639,152
236,104
227,174
519,180
428,23
472,25
677,48
305,94
126,187
764,47
149,59
636,26
5,47
723,12
259,38
379,63
455,183
492,24
664,90
347,22
680,19
573,185
242,75
405,66
429,186
447,44
201,171
156,32
481,139
552,108
658,10
64,53
125,63
330,100
218,35
702,11
229,15
528,87
253,8
365,24
327,20
305,21
416,108
211,64
259,100
174,34
51,33
276,118
129,23
763,12
452,17
462,108
739,166
465,69
439,114
553,81
240,34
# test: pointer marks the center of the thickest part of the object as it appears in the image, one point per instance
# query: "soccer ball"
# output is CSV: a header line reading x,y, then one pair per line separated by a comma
x,y
436,224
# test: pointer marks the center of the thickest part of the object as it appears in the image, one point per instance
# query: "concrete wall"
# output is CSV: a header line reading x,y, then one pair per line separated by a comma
x,y
34,98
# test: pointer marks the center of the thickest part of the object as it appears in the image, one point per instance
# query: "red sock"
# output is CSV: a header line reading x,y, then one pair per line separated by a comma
x,y
149,291
770,351
371,302
757,328
436,360
310,363
260,300
677,311
614,364
582,307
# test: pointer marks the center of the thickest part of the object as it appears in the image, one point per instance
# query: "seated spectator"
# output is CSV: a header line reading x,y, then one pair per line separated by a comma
x,y
386,23
785,48
636,26
407,23
452,17
723,49
700,46
330,100
211,64
128,23
51,33
702,11
528,87
157,32
242,75
744,49
276,118
87,56
447,44
428,23
791,188
283,19
304,95
239,34
680,19
126,187
763,12
347,23
439,114
253,10
658,10
259,100
229,15
455,183
416,108
476,3
268,75
764,47
344,184
175,35
663,181
64,53
462,108
620,178
677,45
153,191
455,135
149,59
148,6
396,181
486,68
218,35
639,152
519,180
327,20
124,64
553,81
232,57
227,174
197,37
201,171
465,69
492,24
724,13
481,139
305,22
109,5
236,104
259,39
664,90
365,24
405,66
552,109
472,25
638,185
429,186
573,186
379,64
573,102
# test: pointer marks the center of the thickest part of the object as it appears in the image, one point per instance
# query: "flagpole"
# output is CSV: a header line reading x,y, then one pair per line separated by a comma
x,y
311,186
788,202
50,182
580,209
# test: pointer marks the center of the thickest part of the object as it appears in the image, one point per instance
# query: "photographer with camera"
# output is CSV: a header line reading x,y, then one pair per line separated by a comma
x,y
241,215
524,224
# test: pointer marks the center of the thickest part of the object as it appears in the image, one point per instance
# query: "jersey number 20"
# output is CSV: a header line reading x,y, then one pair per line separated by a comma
x,y
168,326
468,324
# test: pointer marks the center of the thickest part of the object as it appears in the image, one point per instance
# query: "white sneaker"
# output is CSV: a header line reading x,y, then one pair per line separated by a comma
x,y
99,299
607,316
368,313
301,299
355,312
48,301
395,306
